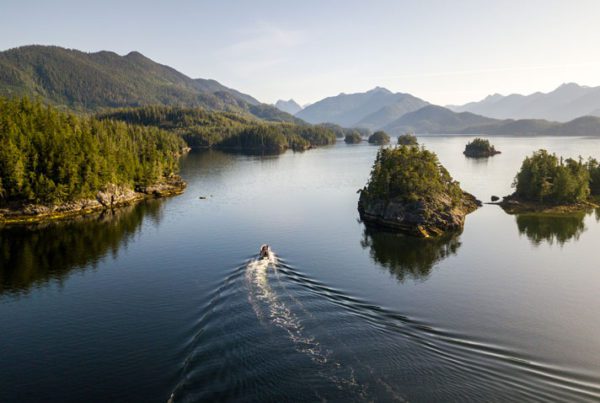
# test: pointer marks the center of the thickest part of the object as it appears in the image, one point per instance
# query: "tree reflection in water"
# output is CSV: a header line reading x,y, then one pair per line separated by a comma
x,y
541,228
408,257
36,254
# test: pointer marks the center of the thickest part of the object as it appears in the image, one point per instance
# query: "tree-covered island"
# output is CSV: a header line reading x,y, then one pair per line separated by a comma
x,y
411,192
353,138
408,139
480,148
379,138
548,183
54,164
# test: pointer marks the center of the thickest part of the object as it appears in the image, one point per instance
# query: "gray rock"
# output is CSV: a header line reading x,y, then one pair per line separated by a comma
x,y
424,218
110,197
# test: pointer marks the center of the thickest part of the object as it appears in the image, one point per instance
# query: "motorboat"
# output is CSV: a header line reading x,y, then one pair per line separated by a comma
x,y
264,251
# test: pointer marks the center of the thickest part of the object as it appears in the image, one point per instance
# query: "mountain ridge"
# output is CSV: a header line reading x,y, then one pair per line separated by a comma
x,y
90,82
433,119
436,119
349,110
567,102
290,106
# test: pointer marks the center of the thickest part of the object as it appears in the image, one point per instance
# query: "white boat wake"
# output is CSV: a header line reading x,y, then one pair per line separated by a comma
x,y
270,309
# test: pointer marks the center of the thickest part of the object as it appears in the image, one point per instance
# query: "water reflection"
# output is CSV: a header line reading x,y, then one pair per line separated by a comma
x,y
477,162
200,161
33,255
255,153
215,163
408,257
551,228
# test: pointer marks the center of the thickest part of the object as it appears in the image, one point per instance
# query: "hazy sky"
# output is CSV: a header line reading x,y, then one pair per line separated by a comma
x,y
442,51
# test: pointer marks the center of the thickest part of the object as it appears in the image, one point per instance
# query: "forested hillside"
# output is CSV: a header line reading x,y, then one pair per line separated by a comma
x,y
89,82
50,156
201,128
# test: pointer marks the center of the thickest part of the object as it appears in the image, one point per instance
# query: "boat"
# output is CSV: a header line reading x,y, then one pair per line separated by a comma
x,y
264,251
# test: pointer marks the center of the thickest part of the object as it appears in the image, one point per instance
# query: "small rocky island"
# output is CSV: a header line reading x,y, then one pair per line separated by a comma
x,y
480,148
411,192
407,139
352,138
379,138
549,184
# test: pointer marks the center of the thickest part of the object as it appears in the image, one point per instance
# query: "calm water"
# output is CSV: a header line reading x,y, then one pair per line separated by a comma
x,y
166,297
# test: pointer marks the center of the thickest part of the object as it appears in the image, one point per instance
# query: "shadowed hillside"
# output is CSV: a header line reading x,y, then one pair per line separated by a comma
x,y
371,109
93,81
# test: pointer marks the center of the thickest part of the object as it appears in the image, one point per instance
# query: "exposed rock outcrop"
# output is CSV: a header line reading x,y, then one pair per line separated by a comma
x,y
512,204
410,191
111,196
481,153
430,216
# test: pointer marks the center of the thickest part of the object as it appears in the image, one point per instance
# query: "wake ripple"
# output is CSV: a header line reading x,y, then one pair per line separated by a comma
x,y
270,332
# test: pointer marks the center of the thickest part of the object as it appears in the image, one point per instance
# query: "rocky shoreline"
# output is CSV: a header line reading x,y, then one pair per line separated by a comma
x,y
111,197
481,153
511,204
431,216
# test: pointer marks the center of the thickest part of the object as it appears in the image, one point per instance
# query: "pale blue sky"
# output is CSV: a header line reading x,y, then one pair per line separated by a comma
x,y
442,51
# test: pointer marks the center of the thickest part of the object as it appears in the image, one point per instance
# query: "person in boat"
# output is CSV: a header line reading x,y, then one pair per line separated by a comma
x,y
264,251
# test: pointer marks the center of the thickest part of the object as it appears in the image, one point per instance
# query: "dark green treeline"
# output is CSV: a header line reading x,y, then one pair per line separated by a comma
x,y
201,128
547,178
51,156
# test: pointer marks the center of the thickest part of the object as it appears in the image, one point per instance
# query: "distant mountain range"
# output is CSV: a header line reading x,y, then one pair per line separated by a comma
x,y
436,119
440,120
372,109
90,82
567,102
568,110
290,106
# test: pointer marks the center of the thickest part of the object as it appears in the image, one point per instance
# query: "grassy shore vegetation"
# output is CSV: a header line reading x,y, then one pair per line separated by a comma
x,y
410,173
379,137
201,128
49,156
